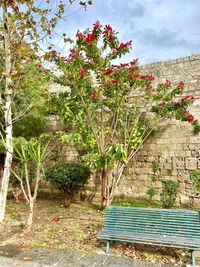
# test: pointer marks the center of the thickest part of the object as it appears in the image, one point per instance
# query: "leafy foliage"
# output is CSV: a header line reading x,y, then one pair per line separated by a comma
x,y
155,167
30,126
151,192
169,193
69,177
195,178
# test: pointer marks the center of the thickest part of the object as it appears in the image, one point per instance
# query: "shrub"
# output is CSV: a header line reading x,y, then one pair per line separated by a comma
x,y
68,177
151,192
169,193
195,178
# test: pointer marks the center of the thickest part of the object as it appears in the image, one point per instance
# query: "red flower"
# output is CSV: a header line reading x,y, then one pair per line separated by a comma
x,y
190,118
186,98
97,25
55,219
90,38
82,72
105,83
107,29
134,62
185,111
122,46
79,34
115,66
148,76
38,65
168,82
134,76
116,80
181,85
122,65
94,94
110,37
108,72
72,53
109,32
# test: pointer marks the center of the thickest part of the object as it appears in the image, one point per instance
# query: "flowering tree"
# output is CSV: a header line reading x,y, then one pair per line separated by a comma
x,y
111,109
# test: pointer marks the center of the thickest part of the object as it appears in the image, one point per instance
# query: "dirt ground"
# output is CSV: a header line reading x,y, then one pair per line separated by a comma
x,y
75,228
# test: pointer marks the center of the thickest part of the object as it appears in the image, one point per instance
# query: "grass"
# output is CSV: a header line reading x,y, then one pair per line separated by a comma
x,y
130,202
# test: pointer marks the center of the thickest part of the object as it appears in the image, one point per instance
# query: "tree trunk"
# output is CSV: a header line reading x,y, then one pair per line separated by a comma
x,y
106,196
30,216
67,201
7,117
32,199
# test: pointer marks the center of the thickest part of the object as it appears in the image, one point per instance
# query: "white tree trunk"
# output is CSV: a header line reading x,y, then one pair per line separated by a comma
x,y
7,116
32,199
29,221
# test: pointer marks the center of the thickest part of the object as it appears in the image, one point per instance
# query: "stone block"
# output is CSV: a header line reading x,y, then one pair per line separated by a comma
x,y
163,159
167,166
191,163
174,172
188,153
184,200
152,146
143,153
178,163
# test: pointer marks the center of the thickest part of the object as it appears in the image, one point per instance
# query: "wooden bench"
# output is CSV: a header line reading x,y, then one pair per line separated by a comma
x,y
161,227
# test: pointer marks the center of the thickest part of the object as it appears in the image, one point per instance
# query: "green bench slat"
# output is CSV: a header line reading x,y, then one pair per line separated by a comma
x,y
168,227
153,210
161,238
164,229
135,220
140,225
153,240
158,216
137,224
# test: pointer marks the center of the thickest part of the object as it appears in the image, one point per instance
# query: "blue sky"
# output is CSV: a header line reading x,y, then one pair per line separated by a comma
x,y
160,29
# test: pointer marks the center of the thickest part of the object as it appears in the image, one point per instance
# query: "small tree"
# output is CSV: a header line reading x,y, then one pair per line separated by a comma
x,y
169,193
111,109
31,155
69,177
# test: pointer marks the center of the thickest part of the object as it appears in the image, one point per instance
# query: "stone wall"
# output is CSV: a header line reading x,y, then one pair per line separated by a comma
x,y
173,146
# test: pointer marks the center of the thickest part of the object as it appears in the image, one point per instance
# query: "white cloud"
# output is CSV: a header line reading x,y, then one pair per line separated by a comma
x,y
160,29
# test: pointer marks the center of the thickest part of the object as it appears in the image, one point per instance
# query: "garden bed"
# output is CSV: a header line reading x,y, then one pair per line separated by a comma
x,y
73,227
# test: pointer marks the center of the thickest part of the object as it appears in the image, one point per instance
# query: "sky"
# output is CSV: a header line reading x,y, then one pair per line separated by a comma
x,y
160,29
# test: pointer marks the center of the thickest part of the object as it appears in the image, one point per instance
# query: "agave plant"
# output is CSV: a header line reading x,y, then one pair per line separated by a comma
x,y
31,154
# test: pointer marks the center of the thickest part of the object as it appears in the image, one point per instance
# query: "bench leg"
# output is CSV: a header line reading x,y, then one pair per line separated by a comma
x,y
107,247
193,257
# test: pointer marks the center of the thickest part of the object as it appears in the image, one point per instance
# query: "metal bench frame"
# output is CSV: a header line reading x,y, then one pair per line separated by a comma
x,y
159,227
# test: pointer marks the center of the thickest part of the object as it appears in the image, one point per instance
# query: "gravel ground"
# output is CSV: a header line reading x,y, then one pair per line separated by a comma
x,y
43,257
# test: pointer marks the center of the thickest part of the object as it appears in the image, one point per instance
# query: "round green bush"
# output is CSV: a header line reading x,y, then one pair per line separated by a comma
x,y
68,177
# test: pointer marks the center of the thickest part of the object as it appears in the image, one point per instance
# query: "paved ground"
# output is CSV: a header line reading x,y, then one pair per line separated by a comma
x,y
42,257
